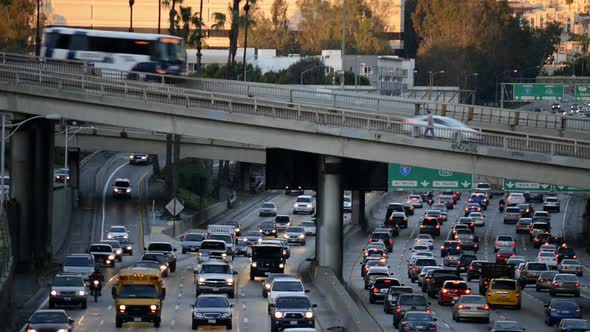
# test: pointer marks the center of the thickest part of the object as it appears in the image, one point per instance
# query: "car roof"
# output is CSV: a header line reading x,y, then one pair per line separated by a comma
x,y
121,180
213,295
59,311
215,262
287,278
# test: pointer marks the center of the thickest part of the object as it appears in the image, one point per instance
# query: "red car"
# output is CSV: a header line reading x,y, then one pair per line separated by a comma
x,y
503,254
452,290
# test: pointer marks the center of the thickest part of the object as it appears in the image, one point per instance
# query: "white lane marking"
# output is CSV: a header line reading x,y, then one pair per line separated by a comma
x,y
109,307
104,198
101,323
176,307
245,320
564,215
172,323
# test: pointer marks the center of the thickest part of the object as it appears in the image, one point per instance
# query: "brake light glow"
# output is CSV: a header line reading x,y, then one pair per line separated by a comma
x,y
398,310
461,306
468,292
444,291
375,290
390,241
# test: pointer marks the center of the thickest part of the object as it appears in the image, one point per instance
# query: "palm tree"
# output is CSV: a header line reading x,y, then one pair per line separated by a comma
x,y
220,19
186,16
172,14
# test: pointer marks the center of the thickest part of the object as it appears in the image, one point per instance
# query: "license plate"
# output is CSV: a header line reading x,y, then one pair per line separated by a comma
x,y
215,289
420,327
67,298
137,319
293,322
383,290
212,321
455,298
566,311
266,273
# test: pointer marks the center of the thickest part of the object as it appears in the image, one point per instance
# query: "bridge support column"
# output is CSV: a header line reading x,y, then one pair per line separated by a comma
x,y
74,167
168,150
31,172
245,176
358,208
175,160
329,207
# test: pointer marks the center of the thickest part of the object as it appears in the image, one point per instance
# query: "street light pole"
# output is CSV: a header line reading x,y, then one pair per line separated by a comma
x,y
131,2
246,9
160,12
305,71
3,139
432,76
38,37
343,42
502,73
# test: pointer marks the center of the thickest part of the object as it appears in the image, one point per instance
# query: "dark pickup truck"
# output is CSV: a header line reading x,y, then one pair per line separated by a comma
x,y
438,278
491,271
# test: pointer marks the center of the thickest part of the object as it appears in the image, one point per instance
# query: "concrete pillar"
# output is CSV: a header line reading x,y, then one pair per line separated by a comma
x,y
31,170
168,150
175,160
358,207
245,176
74,167
329,205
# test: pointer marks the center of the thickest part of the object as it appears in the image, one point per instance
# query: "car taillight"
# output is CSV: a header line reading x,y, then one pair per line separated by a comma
x,y
486,307
575,256
439,217
416,269
427,279
406,326
398,310
442,247
577,284
390,241
370,240
468,292
437,226
444,291
459,262
517,294
470,200
466,209
375,290
498,255
541,280
432,281
478,209
496,243
428,310
471,268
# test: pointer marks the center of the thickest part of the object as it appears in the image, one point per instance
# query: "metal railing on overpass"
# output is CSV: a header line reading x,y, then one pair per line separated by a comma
x,y
325,97
378,122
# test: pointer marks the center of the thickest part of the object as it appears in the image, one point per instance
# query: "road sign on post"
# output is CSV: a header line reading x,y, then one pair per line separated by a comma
x,y
582,92
537,91
404,177
566,189
516,185
174,207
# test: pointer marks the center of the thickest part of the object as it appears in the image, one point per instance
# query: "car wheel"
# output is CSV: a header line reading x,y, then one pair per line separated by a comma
x,y
486,320
371,300
229,325
84,305
118,323
173,268
232,294
131,253
537,289
264,294
51,305
251,277
194,325
120,259
577,294
157,324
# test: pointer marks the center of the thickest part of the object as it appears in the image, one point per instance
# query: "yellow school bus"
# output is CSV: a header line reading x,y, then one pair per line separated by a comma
x,y
139,295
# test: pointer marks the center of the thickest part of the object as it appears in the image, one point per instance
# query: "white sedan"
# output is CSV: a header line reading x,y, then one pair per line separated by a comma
x,y
420,247
478,218
424,239
444,127
117,232
308,227
548,258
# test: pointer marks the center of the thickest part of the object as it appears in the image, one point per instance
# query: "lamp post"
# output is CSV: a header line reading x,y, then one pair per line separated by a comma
x,y
4,137
465,85
160,12
246,10
131,2
38,37
343,43
309,69
500,74
432,76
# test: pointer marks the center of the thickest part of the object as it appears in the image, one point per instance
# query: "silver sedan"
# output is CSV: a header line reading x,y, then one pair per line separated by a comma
x,y
471,307
444,127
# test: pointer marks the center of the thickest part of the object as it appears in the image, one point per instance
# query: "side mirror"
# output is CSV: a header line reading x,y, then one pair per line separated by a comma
x,y
314,305
174,249
114,292
546,305
235,273
71,321
163,293
231,305
307,290
144,248
435,319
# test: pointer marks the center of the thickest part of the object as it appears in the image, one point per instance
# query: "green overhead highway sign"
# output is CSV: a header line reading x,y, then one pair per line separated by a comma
x,y
515,185
537,91
404,177
582,92
566,189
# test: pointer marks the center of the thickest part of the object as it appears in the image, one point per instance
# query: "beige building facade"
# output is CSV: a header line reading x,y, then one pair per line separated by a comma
x,y
115,15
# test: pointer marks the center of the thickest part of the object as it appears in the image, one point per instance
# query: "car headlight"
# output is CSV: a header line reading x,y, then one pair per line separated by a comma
x,y
31,330
62,330
281,266
200,253
295,205
163,267
119,251
224,255
285,236
153,307
81,293
254,264
122,307
274,230
129,247
128,190
144,157
111,256
53,293
198,314
109,236
309,206
237,230
302,236
125,236
284,252
266,286
130,157
201,281
260,230
226,315
229,281
308,314
278,314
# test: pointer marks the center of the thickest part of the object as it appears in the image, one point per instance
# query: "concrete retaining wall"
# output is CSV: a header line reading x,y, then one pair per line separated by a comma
x,y
197,219
62,217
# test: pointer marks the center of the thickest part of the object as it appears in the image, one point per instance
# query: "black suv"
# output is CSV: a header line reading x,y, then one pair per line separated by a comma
x,y
438,278
526,210
409,302
474,270
430,226
565,253
292,311
465,262
384,236
380,287
391,296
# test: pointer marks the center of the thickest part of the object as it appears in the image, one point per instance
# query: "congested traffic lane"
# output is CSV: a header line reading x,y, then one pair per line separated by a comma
x,y
532,312
250,308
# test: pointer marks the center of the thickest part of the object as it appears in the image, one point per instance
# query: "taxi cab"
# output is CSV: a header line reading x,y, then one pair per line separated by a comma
x,y
504,292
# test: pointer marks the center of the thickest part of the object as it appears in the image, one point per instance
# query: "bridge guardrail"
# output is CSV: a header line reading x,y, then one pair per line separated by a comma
x,y
330,98
372,121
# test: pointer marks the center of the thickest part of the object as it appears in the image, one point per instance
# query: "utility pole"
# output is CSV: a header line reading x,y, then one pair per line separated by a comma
x,y
160,13
343,42
200,40
246,9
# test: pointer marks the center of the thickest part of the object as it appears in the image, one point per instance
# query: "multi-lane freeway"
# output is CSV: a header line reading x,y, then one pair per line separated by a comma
x,y
530,316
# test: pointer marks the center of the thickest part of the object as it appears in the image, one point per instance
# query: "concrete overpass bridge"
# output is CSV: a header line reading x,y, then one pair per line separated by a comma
x,y
332,133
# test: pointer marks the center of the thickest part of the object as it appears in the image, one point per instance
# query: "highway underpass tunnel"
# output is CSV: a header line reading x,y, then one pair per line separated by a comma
x,y
31,173
329,211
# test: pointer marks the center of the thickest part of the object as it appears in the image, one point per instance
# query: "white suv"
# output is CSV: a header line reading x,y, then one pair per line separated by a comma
x,y
304,204
284,286
504,241
484,188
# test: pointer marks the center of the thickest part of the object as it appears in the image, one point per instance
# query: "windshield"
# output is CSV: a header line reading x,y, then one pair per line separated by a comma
x,y
546,254
308,224
458,285
267,252
287,286
512,210
380,236
121,184
303,199
426,262
504,284
171,50
418,317
210,245
138,291
68,281
566,277
253,234
295,230
570,262
113,244
292,302
453,252
386,282
160,247
551,200
78,261
118,230
193,237
49,317
215,268
267,225
268,206
282,219
148,264
565,251
413,300
223,237
472,299
212,302
576,323
429,222
101,249
505,238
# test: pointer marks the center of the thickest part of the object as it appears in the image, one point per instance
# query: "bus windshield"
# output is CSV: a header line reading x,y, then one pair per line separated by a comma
x,y
171,50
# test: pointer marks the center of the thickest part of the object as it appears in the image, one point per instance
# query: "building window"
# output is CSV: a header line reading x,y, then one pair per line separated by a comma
x,y
366,71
